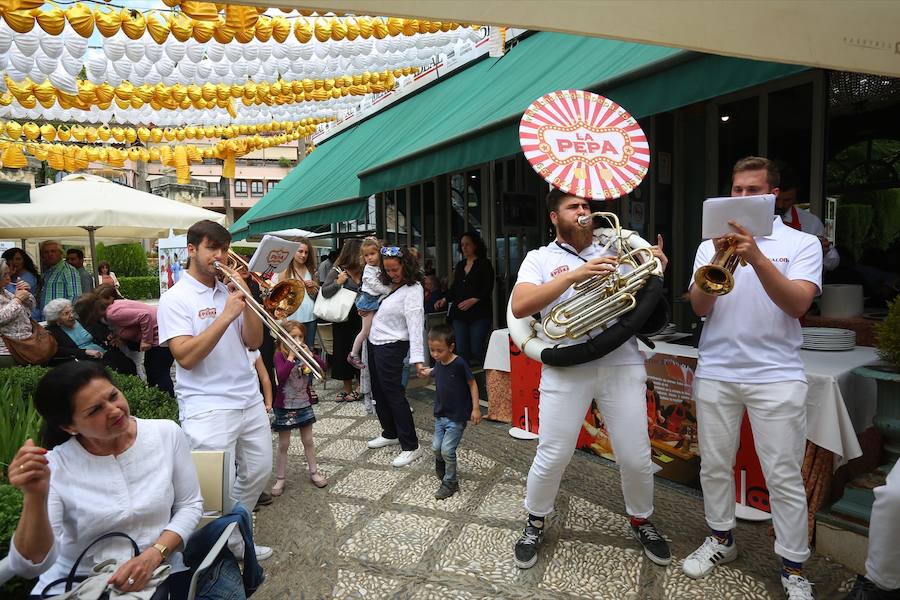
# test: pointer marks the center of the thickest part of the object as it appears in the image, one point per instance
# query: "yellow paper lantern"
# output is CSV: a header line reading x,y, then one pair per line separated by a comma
x,y
32,131
78,133
410,27
133,23
379,29
130,135
102,132
158,28
90,134
200,11
395,26
222,32
264,29
63,133
241,18
181,26
13,130
81,19
154,154
302,31
281,29
20,21
108,22
52,21
203,30
93,153
48,132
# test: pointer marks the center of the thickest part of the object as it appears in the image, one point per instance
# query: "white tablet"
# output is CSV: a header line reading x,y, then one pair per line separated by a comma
x,y
753,213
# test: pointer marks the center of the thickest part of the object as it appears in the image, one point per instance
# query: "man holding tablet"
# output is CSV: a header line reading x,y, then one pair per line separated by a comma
x,y
749,360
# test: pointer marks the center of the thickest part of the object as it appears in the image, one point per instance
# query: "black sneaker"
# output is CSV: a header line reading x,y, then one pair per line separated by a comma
x,y
445,491
864,589
527,546
265,499
655,546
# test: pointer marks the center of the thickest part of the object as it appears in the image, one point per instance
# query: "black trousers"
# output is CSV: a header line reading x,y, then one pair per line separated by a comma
x,y
158,365
391,406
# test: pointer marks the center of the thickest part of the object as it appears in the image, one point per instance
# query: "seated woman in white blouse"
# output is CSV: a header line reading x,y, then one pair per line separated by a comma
x,y
101,471
396,329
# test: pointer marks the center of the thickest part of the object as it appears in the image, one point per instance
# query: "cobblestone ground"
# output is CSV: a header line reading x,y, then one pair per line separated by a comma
x,y
377,532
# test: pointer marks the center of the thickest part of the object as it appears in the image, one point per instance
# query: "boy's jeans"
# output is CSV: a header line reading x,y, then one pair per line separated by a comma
x,y
447,435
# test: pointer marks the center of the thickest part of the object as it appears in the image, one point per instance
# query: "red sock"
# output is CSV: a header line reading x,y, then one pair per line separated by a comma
x,y
637,521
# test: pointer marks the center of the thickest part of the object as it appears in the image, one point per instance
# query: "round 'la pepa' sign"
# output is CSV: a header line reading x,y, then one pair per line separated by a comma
x,y
584,144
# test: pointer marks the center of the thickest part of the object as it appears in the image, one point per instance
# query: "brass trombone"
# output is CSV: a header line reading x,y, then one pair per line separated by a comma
x,y
279,301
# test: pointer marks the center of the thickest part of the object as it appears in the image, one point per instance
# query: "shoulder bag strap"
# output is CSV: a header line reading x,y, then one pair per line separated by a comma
x,y
70,579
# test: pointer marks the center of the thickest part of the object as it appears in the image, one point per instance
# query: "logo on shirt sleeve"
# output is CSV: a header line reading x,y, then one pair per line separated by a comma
x,y
207,313
559,270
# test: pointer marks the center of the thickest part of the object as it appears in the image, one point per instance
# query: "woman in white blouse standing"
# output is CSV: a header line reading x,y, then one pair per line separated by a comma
x,y
100,471
396,329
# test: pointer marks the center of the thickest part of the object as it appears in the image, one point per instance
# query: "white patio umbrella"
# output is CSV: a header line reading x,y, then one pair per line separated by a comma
x,y
86,203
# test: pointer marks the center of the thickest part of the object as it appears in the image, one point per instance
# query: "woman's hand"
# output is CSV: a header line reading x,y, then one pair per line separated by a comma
x,y
23,285
421,370
145,346
94,353
465,304
22,295
342,277
134,575
657,251
440,304
29,470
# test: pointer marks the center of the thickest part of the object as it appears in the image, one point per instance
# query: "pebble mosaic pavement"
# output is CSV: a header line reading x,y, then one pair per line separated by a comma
x,y
377,532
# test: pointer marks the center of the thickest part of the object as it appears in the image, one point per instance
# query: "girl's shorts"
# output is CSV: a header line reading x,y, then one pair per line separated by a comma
x,y
366,301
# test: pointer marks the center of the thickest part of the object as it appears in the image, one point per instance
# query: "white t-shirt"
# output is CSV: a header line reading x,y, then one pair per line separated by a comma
x,y
223,379
547,262
810,223
747,338
150,487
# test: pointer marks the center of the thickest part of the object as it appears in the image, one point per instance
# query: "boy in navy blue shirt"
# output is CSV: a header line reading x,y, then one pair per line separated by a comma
x,y
455,405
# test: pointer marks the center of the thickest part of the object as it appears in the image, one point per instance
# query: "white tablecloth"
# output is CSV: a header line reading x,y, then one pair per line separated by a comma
x,y
831,380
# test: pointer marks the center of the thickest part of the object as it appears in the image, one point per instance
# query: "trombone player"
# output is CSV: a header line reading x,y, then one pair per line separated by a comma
x,y
209,327
616,380
749,360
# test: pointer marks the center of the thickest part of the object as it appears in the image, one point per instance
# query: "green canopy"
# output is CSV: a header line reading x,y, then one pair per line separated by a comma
x,y
14,192
472,117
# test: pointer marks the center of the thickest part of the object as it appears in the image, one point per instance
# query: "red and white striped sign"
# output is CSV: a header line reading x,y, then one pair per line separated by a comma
x,y
584,144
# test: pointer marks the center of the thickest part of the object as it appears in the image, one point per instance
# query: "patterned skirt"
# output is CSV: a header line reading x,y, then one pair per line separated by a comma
x,y
293,418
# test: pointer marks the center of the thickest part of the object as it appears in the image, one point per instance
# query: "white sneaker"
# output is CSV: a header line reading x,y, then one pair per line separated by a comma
x,y
705,558
407,456
797,587
263,552
381,442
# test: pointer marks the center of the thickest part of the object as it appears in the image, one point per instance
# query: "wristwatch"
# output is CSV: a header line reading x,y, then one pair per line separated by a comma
x,y
163,549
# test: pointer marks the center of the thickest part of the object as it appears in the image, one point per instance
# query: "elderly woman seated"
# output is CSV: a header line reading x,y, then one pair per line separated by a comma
x,y
99,470
15,313
78,342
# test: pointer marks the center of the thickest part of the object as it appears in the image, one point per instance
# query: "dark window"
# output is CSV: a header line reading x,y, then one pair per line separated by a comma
x,y
256,188
240,187
270,185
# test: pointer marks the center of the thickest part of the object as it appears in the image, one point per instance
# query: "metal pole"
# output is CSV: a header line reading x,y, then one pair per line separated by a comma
x,y
91,229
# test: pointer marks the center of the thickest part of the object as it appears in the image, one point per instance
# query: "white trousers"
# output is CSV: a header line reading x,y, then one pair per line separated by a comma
x,y
247,436
777,414
566,394
883,562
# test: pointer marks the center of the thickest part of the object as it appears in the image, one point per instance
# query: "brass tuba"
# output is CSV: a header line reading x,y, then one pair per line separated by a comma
x,y
599,300
717,278
279,301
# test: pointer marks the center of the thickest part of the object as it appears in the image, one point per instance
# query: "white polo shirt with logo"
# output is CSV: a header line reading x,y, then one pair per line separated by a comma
x,y
224,378
747,338
550,261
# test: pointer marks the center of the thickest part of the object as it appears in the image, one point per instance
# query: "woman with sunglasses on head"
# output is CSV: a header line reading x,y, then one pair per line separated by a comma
x,y
397,329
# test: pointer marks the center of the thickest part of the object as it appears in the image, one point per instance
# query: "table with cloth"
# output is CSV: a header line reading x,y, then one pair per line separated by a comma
x,y
839,404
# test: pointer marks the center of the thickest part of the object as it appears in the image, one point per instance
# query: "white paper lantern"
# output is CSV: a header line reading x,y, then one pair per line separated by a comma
x,y
215,51
27,43
114,48
321,51
222,68
253,67
153,77
174,49
143,67
171,78
6,37
44,63
187,68
152,50
382,45
278,51
251,50
265,50
239,68
194,50
122,68
164,66
204,68
233,52
306,52
52,45
134,49
64,81
112,78
21,61
298,68
75,44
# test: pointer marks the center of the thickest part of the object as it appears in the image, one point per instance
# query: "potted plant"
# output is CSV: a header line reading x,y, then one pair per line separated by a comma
x,y
887,376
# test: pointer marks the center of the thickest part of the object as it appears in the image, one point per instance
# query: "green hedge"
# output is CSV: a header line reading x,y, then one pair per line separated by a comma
x,y
125,260
139,288
17,385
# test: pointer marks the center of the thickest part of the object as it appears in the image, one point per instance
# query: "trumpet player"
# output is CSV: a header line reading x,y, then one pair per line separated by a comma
x,y
209,328
749,360
616,381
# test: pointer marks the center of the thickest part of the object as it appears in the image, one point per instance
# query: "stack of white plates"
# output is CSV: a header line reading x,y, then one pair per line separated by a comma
x,y
828,338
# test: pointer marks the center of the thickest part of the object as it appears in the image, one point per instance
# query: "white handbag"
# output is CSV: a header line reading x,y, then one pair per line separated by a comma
x,y
337,308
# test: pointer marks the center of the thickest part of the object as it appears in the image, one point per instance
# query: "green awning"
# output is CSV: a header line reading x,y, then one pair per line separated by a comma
x,y
472,117
14,192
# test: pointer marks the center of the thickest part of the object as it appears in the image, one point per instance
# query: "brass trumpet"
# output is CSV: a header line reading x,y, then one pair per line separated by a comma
x,y
279,301
717,278
604,298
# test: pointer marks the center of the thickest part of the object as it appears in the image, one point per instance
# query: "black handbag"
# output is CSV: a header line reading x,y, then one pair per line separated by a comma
x,y
162,591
